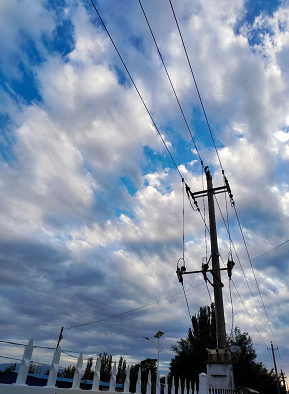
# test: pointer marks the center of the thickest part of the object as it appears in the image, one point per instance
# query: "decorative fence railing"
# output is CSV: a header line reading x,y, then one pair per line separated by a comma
x,y
20,386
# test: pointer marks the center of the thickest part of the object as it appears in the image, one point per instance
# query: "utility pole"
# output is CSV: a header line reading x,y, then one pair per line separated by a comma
x,y
60,337
276,373
220,360
218,293
283,379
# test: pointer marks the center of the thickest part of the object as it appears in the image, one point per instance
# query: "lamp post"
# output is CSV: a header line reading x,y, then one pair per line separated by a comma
x,y
158,335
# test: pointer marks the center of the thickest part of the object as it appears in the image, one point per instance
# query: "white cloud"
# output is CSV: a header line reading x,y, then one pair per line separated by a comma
x,y
75,232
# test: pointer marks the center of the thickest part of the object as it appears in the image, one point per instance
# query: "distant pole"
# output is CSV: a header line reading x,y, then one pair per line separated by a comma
x,y
218,293
158,353
276,373
60,337
283,379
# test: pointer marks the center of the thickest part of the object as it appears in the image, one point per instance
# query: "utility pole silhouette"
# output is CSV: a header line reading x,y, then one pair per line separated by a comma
x,y
275,367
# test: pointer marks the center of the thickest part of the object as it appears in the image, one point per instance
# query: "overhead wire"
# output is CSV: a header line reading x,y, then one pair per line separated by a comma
x,y
199,95
239,261
195,82
136,88
171,83
132,311
217,153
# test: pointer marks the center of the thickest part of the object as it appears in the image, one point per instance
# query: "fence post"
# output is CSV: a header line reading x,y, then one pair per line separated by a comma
x,y
173,389
112,382
166,388
185,386
77,373
158,384
96,377
195,388
149,383
202,383
127,380
180,387
54,368
138,383
25,363
190,387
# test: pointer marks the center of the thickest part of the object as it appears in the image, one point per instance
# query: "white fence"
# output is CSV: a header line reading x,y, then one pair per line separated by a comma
x,y
20,386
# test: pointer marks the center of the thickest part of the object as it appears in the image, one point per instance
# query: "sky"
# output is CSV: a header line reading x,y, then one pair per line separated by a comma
x,y
90,201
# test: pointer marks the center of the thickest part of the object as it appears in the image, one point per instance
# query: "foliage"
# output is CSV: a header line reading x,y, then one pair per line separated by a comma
x,y
121,371
247,372
105,369
145,365
88,373
9,369
68,372
191,355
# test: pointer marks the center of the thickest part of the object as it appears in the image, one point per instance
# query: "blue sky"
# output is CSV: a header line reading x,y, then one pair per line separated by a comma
x,y
90,201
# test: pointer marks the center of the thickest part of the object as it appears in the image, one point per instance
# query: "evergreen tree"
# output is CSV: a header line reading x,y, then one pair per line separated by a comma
x,y
145,365
88,373
121,371
105,369
68,372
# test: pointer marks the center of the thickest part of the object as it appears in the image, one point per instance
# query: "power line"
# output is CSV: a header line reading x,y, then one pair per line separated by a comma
x,y
171,83
196,85
132,311
138,92
255,259
241,265
249,258
19,359
258,332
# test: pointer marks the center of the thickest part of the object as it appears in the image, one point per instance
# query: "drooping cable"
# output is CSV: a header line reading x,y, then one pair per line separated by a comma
x,y
134,311
136,88
204,206
171,83
187,303
232,310
183,188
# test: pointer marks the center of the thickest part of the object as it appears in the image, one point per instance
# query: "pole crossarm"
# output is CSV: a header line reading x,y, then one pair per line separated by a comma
x,y
215,190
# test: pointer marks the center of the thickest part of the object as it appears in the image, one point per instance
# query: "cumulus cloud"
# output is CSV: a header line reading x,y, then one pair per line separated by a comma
x,y
92,207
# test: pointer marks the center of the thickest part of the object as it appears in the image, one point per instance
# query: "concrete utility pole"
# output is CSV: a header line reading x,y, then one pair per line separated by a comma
x,y
276,373
283,379
220,360
218,293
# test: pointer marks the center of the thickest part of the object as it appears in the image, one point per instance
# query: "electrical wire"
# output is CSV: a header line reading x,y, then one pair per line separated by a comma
x,y
252,268
242,267
136,88
184,222
196,85
187,303
132,311
256,259
171,83
19,359
258,332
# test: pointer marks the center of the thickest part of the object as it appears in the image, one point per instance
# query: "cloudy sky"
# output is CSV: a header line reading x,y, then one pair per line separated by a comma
x,y
91,203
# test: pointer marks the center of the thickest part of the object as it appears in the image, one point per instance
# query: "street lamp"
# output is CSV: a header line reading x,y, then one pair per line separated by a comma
x,y
158,335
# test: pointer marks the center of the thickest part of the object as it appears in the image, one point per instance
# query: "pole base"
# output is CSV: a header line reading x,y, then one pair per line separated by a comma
x,y
220,376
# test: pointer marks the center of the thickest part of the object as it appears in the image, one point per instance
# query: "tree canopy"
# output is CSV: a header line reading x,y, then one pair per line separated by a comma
x,y
191,355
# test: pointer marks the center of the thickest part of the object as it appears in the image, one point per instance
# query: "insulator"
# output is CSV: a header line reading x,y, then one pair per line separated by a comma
x,y
179,275
230,266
